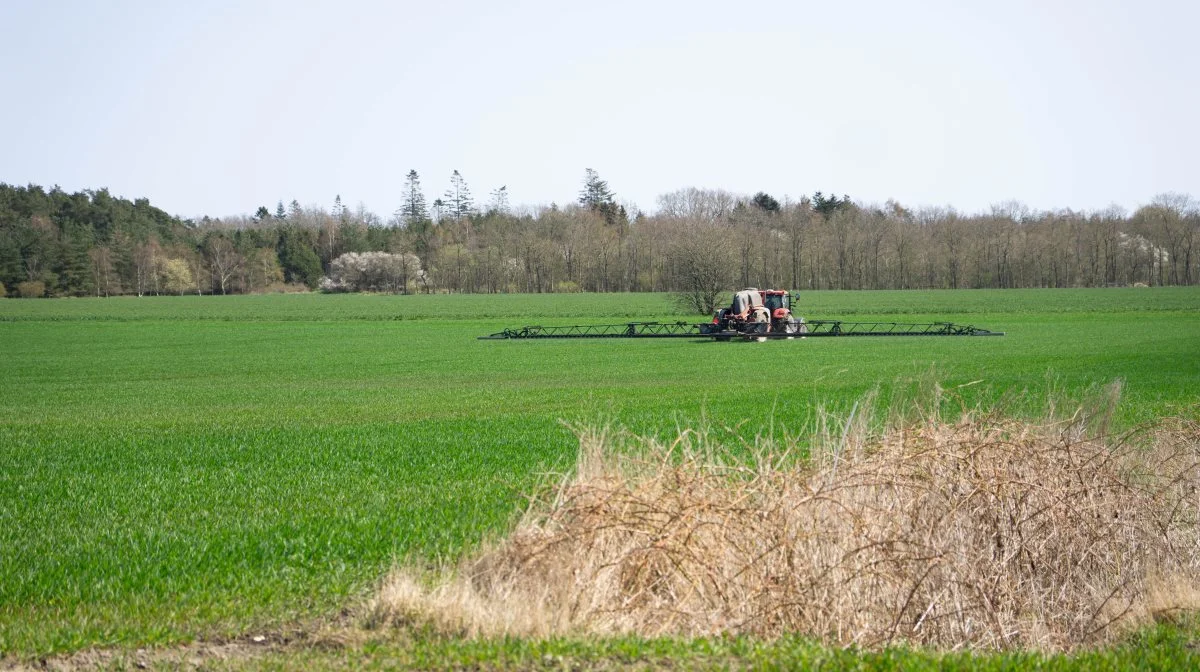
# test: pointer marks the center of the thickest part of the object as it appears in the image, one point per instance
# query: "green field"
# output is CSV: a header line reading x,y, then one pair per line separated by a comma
x,y
184,467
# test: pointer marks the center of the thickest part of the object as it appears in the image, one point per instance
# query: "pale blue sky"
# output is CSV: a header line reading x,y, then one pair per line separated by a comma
x,y
218,107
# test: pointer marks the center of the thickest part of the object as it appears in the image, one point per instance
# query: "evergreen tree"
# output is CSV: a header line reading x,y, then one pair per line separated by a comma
x,y
764,201
11,270
500,200
827,206
597,197
299,261
280,213
262,214
595,193
74,268
458,197
413,213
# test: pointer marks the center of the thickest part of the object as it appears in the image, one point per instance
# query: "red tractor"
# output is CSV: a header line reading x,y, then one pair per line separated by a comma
x,y
756,311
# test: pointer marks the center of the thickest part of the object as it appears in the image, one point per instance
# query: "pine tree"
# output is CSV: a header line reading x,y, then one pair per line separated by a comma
x,y
827,206
280,213
595,194
299,261
458,197
74,275
414,212
597,197
764,201
500,200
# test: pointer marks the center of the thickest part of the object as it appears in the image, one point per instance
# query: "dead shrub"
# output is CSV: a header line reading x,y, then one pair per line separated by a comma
x,y
985,533
31,289
286,288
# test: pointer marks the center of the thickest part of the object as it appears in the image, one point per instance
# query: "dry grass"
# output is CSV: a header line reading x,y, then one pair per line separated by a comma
x,y
984,533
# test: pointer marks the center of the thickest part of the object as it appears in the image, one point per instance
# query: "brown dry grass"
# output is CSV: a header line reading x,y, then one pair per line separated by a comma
x,y
984,533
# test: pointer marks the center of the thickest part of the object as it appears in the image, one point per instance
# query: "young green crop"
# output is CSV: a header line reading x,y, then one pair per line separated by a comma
x,y
510,309
182,466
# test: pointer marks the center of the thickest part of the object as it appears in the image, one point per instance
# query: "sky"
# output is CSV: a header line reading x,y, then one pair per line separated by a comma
x,y
215,108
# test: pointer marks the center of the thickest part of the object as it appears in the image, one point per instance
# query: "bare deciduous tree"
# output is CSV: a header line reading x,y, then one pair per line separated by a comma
x,y
702,263
223,258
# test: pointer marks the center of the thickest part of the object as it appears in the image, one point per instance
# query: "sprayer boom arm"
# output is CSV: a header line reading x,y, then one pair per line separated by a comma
x,y
815,328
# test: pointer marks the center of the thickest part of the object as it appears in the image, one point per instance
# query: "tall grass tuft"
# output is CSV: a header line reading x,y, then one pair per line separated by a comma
x,y
981,532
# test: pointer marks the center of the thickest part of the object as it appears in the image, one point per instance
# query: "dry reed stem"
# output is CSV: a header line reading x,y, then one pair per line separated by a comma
x,y
983,533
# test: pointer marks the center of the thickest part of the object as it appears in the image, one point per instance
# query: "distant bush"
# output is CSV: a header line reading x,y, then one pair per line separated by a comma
x,y
285,288
32,289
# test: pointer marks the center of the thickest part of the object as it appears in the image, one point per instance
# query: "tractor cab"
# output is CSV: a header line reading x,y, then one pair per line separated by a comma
x,y
775,299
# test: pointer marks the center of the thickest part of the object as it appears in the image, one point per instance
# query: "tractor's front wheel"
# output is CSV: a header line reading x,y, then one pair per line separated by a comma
x,y
760,325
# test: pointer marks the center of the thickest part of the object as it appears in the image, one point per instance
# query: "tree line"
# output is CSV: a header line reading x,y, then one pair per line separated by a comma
x,y
91,243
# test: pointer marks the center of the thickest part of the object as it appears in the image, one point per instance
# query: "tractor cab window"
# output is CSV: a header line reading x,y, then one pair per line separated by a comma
x,y
773,301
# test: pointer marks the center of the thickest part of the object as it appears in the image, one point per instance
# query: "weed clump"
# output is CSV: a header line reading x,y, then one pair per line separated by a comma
x,y
984,532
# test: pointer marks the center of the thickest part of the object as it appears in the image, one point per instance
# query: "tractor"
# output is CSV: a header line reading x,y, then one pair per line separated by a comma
x,y
756,311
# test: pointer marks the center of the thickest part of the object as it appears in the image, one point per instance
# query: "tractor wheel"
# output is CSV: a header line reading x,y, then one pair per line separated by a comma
x,y
722,319
760,325
790,326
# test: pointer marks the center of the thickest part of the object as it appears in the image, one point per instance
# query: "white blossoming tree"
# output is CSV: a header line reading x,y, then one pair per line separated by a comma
x,y
373,272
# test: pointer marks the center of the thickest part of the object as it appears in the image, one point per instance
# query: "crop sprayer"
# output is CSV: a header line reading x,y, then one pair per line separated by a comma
x,y
754,315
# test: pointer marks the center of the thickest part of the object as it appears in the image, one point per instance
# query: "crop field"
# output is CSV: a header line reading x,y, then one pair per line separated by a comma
x,y
174,468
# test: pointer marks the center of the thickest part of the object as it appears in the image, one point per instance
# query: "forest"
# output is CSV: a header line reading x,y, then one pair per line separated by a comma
x,y
92,243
